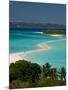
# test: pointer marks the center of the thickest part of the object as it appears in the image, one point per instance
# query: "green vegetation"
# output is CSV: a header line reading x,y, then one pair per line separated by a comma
x,y
24,74
55,31
48,82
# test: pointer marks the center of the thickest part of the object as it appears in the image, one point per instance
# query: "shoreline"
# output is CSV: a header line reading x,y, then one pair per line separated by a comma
x,y
41,47
38,32
51,34
21,55
55,34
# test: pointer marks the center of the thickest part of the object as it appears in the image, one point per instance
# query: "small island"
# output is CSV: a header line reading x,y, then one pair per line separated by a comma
x,y
55,32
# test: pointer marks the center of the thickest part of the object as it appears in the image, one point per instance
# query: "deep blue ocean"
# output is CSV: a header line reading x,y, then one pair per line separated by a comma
x,y
25,40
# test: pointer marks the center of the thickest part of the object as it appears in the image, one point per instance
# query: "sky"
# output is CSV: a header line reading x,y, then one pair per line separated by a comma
x,y
20,11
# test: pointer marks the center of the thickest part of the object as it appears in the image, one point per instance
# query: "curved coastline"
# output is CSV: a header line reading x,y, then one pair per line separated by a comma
x,y
21,55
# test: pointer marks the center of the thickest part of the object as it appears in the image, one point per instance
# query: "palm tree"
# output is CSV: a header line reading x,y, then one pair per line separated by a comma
x,y
53,73
63,73
36,70
47,66
46,69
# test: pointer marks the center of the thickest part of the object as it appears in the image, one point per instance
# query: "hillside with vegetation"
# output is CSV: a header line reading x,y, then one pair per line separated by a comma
x,y
55,31
24,74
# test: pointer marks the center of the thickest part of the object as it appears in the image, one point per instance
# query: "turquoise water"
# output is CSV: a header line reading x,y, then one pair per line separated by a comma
x,y
27,40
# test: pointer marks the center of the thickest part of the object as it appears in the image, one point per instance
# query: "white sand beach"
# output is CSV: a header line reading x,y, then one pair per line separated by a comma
x,y
38,32
21,55
16,56
56,35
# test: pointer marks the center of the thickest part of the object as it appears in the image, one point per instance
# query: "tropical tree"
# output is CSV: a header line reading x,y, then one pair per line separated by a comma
x,y
24,70
36,70
63,73
49,72
53,73
47,69
12,72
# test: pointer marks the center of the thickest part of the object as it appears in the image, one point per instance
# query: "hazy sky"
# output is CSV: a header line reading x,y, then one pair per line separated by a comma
x,y
37,12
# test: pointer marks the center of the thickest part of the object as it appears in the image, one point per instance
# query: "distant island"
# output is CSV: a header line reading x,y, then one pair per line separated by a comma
x,y
36,25
55,31
45,28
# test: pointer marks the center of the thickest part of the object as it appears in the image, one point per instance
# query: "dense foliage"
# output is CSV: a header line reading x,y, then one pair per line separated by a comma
x,y
24,74
55,31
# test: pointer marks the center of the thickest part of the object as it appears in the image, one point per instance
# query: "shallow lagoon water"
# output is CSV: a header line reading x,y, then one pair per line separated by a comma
x,y
55,55
22,41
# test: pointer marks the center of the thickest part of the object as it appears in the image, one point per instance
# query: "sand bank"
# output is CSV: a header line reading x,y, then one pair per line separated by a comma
x,y
21,55
56,35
